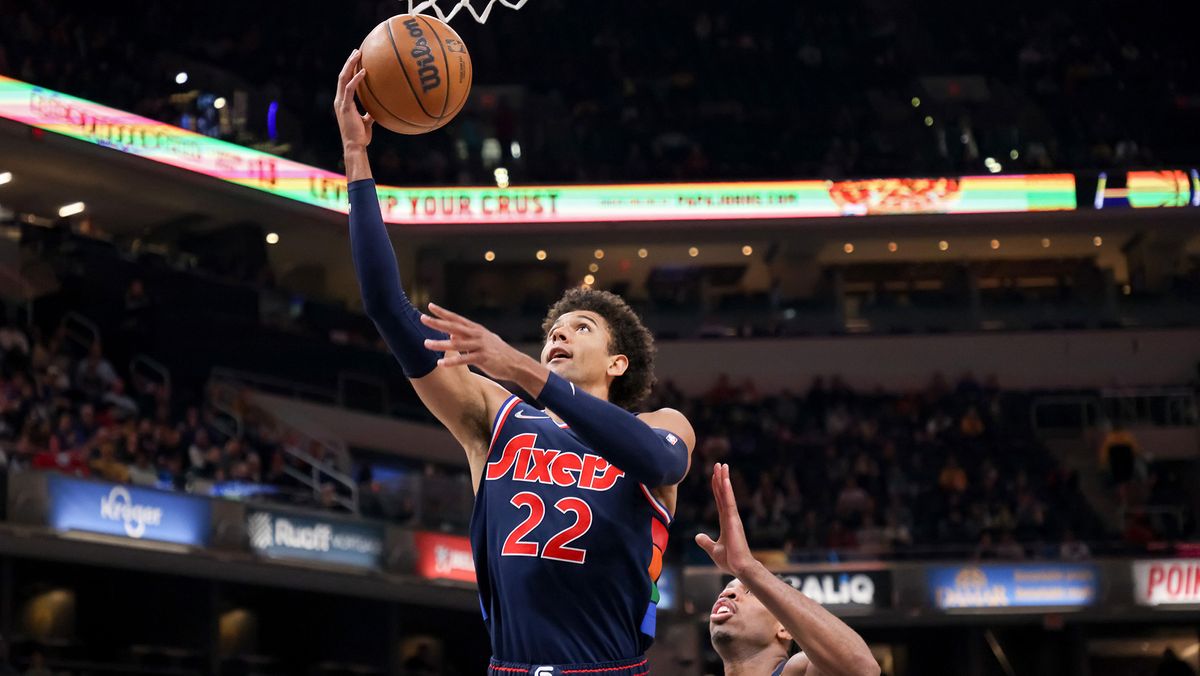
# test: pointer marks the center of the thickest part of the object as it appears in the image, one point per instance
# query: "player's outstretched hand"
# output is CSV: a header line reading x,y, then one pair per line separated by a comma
x,y
472,343
730,552
355,127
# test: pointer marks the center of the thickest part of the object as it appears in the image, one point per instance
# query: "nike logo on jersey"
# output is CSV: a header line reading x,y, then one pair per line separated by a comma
x,y
529,463
522,416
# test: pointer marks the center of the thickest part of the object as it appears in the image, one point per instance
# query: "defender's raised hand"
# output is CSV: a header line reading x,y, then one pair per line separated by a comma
x,y
730,551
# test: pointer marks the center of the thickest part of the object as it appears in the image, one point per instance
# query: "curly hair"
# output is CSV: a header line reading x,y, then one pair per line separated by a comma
x,y
628,336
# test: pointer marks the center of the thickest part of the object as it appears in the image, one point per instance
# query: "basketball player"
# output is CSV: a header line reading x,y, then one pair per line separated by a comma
x,y
757,616
574,495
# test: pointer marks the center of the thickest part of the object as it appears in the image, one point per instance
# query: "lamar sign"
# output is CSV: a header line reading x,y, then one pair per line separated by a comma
x,y
1166,582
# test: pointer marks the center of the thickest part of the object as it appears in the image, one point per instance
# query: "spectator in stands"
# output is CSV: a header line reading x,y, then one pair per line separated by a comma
x,y
1008,548
200,453
1118,454
142,472
119,403
95,374
106,465
952,478
1072,549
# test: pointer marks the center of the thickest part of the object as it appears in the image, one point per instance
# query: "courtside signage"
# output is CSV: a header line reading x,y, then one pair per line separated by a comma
x,y
844,589
444,557
127,511
1167,582
283,535
80,119
989,586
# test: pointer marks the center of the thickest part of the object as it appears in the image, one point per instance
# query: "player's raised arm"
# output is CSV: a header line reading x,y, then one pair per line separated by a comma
x,y
457,397
653,449
831,648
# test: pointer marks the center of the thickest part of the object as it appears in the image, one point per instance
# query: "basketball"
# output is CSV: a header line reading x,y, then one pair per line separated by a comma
x,y
418,74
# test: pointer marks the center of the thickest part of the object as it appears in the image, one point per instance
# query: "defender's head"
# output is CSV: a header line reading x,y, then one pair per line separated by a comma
x,y
595,338
741,624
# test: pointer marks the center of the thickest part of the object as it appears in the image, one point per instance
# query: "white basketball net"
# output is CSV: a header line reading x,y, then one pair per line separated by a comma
x,y
418,6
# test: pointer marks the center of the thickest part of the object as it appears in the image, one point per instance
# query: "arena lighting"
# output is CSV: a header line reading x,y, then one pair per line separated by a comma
x,y
593,268
1098,240
589,279
995,244
272,238
181,77
893,247
598,253
71,209
1013,154
541,254
5,177
501,175
848,248
943,245
219,102
928,121
642,253
747,250
515,149
1045,242
693,252
916,102
489,256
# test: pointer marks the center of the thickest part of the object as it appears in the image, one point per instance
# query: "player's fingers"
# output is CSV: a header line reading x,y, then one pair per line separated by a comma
x,y
459,359
368,120
706,543
447,314
440,345
350,87
440,324
347,69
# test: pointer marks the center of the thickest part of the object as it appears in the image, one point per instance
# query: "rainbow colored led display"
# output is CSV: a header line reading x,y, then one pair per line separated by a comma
x,y
91,122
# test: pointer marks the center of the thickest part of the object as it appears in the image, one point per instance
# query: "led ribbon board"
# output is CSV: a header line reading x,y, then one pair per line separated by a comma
x,y
166,144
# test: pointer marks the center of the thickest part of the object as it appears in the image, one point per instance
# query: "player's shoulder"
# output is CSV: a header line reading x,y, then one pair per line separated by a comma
x,y
671,420
799,665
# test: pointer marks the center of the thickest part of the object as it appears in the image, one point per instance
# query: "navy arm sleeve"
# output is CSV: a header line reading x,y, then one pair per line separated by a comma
x,y
382,291
650,456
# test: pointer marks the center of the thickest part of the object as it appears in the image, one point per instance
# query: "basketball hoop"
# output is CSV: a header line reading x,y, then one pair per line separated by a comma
x,y
418,6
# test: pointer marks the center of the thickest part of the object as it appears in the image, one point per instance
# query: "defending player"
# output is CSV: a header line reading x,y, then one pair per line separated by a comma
x,y
572,502
757,616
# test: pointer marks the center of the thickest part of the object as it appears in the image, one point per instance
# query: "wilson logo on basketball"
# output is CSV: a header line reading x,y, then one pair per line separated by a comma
x,y
529,463
423,53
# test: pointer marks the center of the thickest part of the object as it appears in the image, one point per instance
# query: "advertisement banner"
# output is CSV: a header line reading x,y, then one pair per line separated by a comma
x,y
1166,582
845,589
159,142
444,557
127,511
284,535
1043,585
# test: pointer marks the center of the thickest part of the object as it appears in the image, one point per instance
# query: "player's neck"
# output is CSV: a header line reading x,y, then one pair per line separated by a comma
x,y
753,664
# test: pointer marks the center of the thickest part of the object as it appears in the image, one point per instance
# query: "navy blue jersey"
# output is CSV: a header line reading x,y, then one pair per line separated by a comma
x,y
567,548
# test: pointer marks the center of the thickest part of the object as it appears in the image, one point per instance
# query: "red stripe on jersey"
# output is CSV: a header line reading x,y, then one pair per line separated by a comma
x,y
658,534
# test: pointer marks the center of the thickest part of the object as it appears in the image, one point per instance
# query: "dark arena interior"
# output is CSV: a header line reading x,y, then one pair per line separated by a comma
x,y
925,275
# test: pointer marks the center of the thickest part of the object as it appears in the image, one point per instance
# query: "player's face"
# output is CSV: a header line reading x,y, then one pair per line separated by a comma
x,y
577,348
738,616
